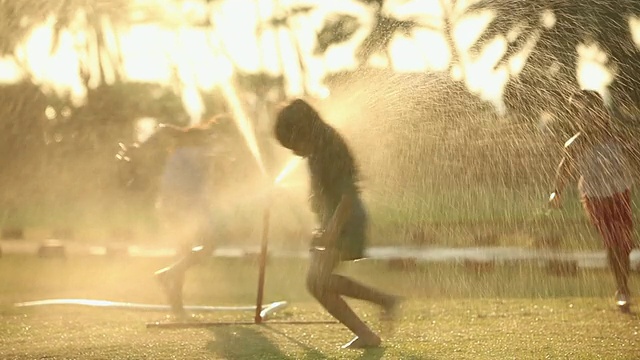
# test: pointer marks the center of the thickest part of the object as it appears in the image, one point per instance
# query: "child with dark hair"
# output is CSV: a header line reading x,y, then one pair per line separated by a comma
x,y
335,199
598,156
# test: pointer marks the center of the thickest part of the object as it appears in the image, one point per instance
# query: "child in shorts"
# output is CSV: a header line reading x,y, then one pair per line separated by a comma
x,y
598,156
335,199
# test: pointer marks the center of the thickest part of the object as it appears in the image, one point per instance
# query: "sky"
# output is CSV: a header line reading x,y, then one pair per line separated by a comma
x,y
155,54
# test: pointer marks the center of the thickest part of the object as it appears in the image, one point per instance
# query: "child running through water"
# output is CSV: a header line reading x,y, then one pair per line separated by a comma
x,y
599,158
335,199
183,204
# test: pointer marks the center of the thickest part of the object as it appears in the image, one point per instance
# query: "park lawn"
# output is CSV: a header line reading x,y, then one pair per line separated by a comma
x,y
515,311
483,217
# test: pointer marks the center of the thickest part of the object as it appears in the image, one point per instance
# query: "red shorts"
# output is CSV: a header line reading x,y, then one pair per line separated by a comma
x,y
613,218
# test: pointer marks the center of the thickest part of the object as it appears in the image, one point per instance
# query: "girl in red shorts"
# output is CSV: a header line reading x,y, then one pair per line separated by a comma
x,y
599,158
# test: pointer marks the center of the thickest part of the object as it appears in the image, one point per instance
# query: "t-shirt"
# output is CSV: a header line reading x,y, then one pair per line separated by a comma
x,y
186,172
604,170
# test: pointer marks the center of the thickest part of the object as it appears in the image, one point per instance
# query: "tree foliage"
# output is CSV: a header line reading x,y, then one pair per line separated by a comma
x,y
556,28
559,27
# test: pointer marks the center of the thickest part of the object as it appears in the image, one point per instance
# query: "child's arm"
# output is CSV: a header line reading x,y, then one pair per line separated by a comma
x,y
564,171
339,218
563,174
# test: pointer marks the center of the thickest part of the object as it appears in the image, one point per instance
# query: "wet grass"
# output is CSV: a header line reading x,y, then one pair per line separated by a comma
x,y
511,311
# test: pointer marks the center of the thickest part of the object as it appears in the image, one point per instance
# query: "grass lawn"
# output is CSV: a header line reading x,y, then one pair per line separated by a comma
x,y
515,311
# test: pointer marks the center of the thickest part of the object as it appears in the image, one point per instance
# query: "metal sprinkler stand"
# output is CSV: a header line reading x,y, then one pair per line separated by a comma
x,y
261,312
266,217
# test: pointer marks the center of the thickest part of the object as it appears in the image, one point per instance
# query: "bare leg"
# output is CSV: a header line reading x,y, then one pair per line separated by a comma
x,y
172,277
353,289
619,263
613,220
321,284
618,251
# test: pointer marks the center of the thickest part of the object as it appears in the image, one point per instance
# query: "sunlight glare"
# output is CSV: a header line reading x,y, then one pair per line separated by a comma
x,y
634,27
470,27
518,61
58,69
144,128
237,24
9,71
407,56
193,103
437,53
548,19
289,66
146,52
592,72
483,78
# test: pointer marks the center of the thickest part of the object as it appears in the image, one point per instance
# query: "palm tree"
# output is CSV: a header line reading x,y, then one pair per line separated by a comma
x,y
337,29
99,21
100,68
340,28
284,20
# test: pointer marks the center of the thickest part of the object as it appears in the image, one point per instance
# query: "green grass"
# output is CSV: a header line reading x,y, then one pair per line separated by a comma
x,y
516,311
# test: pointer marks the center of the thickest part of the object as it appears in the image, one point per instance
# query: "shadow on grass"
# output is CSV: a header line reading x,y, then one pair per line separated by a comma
x,y
310,353
373,354
243,342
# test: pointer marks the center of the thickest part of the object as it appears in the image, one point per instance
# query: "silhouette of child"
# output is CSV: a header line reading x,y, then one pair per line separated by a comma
x,y
335,199
183,203
597,154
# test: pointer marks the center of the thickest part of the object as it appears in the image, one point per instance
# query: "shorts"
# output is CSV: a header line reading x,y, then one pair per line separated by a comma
x,y
351,242
350,245
613,218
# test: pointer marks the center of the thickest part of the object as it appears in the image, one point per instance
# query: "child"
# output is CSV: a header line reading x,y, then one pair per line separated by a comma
x,y
599,158
335,199
183,202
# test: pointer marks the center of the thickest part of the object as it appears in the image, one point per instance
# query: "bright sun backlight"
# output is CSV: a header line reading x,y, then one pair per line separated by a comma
x,y
244,39
144,128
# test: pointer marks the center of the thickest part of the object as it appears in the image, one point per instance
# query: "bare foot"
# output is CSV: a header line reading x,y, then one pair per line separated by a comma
x,y
623,302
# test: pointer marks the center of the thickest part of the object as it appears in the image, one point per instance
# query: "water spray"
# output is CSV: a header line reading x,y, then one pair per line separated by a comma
x,y
247,131
243,123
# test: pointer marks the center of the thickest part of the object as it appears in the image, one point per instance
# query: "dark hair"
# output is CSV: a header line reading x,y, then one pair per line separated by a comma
x,y
297,120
